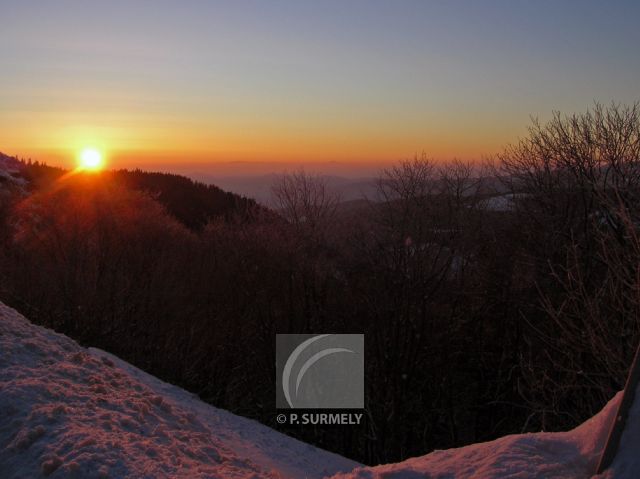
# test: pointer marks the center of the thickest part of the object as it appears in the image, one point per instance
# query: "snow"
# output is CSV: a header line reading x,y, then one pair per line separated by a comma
x,y
503,203
10,171
67,411
572,454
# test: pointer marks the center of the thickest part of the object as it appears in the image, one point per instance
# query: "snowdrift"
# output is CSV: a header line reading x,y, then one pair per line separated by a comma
x,y
572,454
67,411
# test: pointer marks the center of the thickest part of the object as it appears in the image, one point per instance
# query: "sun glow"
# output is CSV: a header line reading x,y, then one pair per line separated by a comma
x,y
90,159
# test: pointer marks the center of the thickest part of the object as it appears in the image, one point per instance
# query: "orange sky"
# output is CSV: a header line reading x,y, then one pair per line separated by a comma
x,y
160,84
142,142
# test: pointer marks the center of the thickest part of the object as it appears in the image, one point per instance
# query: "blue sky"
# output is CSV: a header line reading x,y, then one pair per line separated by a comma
x,y
301,80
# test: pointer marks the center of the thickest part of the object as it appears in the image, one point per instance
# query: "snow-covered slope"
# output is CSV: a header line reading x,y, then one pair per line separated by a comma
x,y
66,411
10,171
572,454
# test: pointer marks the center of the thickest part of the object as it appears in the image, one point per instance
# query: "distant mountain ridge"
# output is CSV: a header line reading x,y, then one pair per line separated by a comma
x,y
259,187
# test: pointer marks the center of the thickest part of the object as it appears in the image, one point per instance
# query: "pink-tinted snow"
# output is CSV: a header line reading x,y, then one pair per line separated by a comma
x,y
572,454
66,411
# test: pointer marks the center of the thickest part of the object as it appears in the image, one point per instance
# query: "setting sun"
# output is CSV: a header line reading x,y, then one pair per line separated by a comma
x,y
224,195
90,159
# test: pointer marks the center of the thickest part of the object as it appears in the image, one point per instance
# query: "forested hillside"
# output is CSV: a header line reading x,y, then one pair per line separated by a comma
x,y
192,203
484,313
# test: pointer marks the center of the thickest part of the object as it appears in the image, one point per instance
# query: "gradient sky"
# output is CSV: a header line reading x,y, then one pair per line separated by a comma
x,y
160,82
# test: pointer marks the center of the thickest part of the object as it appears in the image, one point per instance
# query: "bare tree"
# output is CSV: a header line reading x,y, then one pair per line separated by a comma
x,y
576,182
306,202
